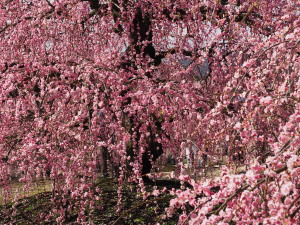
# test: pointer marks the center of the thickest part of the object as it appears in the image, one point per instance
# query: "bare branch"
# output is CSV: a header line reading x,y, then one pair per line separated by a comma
x,y
49,3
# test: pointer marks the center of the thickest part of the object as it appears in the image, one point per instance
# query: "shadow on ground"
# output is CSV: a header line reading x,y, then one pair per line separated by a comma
x,y
135,210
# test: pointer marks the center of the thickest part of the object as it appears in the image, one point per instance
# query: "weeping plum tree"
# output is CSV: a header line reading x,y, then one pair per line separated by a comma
x,y
64,63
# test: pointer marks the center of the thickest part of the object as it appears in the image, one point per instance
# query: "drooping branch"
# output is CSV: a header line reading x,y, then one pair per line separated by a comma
x,y
243,188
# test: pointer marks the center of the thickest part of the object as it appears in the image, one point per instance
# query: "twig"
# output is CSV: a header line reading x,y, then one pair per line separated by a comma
x,y
186,220
295,212
249,11
286,145
295,200
50,4
267,49
245,17
238,191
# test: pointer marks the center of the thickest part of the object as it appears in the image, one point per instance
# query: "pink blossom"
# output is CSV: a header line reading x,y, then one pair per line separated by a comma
x,y
286,188
96,85
265,100
237,126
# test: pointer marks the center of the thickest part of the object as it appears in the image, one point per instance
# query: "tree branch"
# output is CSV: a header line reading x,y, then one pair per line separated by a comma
x,y
240,190
50,4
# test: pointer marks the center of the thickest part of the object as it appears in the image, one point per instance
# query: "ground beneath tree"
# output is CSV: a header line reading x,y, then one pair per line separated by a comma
x,y
135,210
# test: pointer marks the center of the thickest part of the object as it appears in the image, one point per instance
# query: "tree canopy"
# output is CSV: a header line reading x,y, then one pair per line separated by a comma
x,y
136,80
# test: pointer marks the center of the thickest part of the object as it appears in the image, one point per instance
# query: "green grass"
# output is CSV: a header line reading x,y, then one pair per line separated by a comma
x,y
135,210
23,190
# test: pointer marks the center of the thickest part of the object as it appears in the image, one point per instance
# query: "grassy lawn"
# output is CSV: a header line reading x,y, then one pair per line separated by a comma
x,y
19,190
36,200
135,210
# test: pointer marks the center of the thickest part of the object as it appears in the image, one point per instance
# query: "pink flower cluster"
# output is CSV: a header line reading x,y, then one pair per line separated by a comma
x,y
118,85
262,195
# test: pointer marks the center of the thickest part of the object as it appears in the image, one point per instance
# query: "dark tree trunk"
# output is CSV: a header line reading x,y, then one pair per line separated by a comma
x,y
154,150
